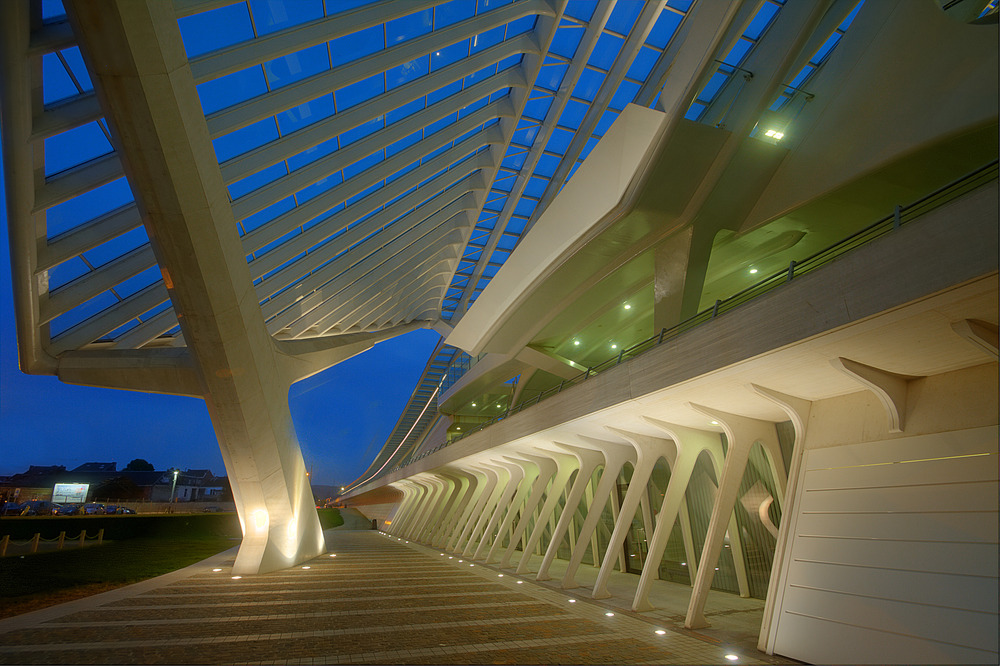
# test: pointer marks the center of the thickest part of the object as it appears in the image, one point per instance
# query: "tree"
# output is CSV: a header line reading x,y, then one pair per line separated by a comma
x,y
118,488
139,465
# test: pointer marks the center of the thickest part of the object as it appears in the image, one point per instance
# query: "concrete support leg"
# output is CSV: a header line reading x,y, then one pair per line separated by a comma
x,y
531,468
463,491
615,456
595,544
565,465
648,450
476,480
589,460
420,507
479,531
741,432
503,506
492,479
546,470
411,493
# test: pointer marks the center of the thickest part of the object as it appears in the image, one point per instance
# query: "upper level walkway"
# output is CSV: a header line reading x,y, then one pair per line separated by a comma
x,y
371,599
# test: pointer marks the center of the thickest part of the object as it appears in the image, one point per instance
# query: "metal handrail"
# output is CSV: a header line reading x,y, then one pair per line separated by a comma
x,y
901,215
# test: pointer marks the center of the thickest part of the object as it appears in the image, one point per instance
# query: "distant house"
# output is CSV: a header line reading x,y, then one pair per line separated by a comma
x,y
38,481
97,467
193,485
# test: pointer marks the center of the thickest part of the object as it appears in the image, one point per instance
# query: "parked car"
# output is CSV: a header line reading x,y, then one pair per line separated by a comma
x,y
11,509
67,510
36,508
211,509
93,509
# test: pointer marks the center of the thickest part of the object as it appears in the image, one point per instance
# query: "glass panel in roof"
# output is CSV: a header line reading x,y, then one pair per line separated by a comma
x,y
558,143
56,81
588,84
74,147
138,282
739,52
606,51
551,75
232,89
408,27
589,146
296,66
259,179
245,139
405,73
305,114
547,165
201,34
581,9
359,92
573,115
273,15
312,154
664,28
441,93
52,9
80,313
263,217
627,90
66,272
761,20
87,206
449,54
604,124
321,186
356,45
623,17
567,40
643,63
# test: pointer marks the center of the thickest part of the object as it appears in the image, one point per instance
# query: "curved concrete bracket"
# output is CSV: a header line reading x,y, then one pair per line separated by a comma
x,y
982,334
888,387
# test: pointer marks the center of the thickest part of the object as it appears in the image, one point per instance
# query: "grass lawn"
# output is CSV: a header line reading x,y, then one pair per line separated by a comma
x,y
36,581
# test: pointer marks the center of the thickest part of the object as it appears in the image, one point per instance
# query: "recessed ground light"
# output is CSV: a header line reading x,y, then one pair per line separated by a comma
x,y
216,570
716,568
307,567
731,657
572,601
627,306
684,564
458,428
499,575
659,632
473,404
520,582
333,556
499,407
472,565
753,271
614,346
450,557
576,343
610,614
714,422
442,554
407,542
461,560
237,577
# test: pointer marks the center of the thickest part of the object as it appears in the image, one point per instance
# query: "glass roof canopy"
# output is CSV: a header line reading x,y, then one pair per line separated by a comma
x,y
382,158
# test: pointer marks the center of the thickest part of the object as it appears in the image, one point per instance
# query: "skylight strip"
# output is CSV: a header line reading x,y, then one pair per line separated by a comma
x,y
147,331
340,221
50,37
88,235
263,106
423,240
284,223
74,182
65,115
359,239
109,319
315,171
316,133
184,8
95,282
257,51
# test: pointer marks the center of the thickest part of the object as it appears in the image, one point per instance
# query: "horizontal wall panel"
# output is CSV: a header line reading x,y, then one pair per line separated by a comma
x,y
968,526
835,643
969,558
975,593
894,556
973,496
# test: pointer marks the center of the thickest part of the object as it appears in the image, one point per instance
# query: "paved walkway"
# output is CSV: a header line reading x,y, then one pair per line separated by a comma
x,y
373,599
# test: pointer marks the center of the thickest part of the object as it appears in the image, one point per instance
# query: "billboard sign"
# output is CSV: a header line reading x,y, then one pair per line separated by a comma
x,y
67,493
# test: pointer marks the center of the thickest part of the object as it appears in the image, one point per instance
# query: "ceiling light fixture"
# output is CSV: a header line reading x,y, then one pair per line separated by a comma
x,y
775,134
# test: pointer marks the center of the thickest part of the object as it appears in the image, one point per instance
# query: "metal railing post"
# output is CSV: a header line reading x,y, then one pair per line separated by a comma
x,y
83,537
62,540
897,217
715,309
3,544
100,536
34,542
791,270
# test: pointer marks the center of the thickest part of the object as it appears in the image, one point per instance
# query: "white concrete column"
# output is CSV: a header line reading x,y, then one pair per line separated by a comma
x,y
480,480
516,476
423,505
647,450
493,479
530,473
588,459
565,465
411,499
503,481
440,489
615,457
595,544
546,470
741,433
463,489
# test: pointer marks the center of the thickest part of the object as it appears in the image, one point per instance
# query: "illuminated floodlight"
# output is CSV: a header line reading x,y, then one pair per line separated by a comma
x,y
684,564
442,554
458,427
450,557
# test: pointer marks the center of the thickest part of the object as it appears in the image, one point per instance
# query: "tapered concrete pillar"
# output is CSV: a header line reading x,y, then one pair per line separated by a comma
x,y
491,488
741,433
137,61
530,473
515,476
615,457
647,450
419,506
482,479
503,481
566,464
688,443
546,470
588,460
438,488
464,488
411,498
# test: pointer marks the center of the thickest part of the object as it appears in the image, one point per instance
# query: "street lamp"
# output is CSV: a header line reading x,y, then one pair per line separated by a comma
x,y
173,486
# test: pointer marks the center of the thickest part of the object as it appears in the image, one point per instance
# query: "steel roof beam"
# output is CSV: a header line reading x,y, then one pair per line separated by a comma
x,y
317,304
303,36
148,330
283,224
73,182
95,282
108,320
286,97
325,283
88,235
366,237
51,37
313,236
324,167
66,115
312,135
184,8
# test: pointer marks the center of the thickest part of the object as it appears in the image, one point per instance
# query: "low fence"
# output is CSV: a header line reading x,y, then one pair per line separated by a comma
x,y
37,544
